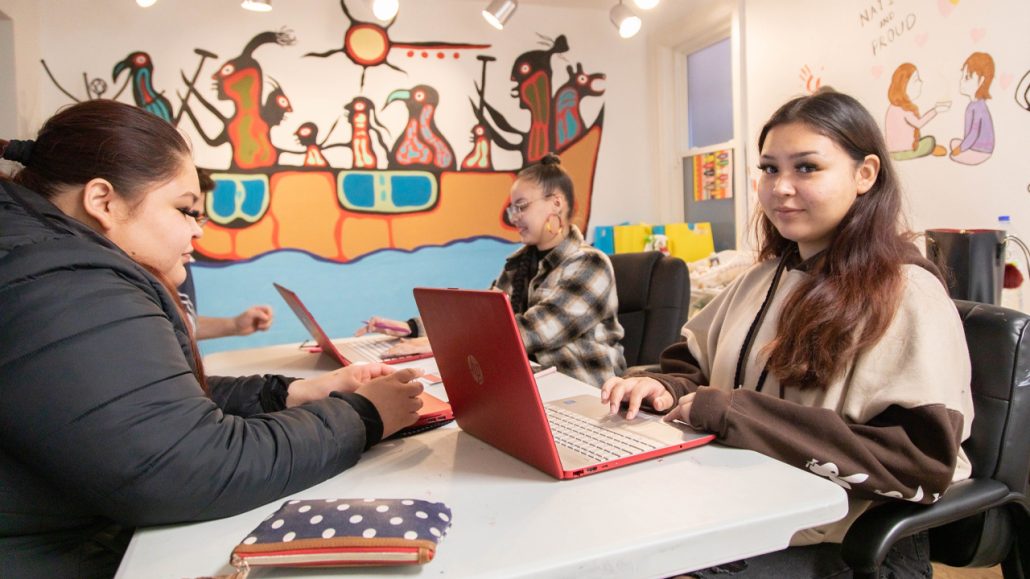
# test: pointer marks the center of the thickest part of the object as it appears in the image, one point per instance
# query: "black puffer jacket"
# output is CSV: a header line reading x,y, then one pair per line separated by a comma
x,y
103,425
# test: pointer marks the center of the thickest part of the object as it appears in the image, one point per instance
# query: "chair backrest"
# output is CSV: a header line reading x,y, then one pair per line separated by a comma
x,y
999,445
654,297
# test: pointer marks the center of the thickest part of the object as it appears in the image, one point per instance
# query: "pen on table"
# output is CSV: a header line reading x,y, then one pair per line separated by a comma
x,y
385,326
545,371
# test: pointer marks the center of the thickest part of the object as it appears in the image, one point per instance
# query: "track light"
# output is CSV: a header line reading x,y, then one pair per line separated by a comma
x,y
385,9
146,3
646,4
257,5
499,11
625,20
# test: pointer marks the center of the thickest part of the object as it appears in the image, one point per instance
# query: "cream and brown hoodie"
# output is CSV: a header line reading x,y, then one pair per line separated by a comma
x,y
889,427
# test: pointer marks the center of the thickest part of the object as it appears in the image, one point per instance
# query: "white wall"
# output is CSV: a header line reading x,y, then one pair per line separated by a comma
x,y
8,95
24,79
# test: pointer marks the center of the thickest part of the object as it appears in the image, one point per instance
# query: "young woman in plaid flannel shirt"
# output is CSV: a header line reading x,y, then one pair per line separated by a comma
x,y
562,290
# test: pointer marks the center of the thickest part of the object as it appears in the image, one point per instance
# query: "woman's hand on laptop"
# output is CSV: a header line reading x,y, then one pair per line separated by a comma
x,y
682,410
634,391
409,347
347,379
377,325
395,398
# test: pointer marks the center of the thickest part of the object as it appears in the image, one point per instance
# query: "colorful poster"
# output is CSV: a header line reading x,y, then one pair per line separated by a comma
x,y
713,175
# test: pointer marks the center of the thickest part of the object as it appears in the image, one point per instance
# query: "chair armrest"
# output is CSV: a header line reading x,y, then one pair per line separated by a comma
x,y
875,532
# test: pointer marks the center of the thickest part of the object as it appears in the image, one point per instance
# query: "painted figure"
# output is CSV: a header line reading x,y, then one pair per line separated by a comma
x,y
479,158
240,80
531,74
307,135
977,142
902,128
363,122
141,73
569,124
277,104
421,146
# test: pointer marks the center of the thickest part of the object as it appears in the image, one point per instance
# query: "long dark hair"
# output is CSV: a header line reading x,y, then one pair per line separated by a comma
x,y
128,146
854,288
123,144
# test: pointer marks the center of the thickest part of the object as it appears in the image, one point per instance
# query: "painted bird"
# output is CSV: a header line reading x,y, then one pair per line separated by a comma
x,y
141,71
569,125
421,146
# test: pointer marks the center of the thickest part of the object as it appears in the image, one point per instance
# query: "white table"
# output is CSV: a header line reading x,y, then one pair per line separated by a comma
x,y
686,511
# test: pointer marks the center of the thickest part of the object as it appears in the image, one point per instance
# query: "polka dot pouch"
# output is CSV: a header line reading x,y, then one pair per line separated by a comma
x,y
344,533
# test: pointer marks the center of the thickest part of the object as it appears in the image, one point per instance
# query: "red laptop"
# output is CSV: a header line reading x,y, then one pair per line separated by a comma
x,y
434,412
494,394
367,348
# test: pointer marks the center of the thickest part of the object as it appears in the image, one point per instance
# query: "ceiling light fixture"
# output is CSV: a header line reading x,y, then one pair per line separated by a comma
x,y
498,12
257,5
385,9
646,4
145,3
625,20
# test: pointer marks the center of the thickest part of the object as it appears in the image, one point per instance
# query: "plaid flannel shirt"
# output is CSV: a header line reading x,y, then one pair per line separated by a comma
x,y
571,320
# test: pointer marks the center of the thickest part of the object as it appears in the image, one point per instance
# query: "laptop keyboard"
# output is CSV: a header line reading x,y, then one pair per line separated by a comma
x,y
370,349
592,439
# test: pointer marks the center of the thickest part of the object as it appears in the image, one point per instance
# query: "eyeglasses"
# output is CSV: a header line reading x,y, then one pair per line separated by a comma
x,y
514,210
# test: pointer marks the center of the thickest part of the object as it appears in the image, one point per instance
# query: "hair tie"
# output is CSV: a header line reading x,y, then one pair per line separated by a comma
x,y
18,151
550,159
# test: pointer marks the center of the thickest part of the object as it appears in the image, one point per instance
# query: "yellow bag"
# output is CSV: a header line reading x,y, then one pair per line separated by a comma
x,y
688,241
631,238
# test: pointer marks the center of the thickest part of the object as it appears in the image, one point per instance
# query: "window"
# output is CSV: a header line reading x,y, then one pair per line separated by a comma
x,y
708,160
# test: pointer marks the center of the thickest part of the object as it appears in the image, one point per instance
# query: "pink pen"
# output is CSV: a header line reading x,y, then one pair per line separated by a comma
x,y
545,371
385,326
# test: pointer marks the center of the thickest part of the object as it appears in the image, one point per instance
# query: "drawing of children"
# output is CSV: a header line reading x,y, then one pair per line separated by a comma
x,y
903,123
977,142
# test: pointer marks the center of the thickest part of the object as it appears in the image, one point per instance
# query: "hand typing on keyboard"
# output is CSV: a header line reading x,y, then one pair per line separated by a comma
x,y
634,391
682,411
408,347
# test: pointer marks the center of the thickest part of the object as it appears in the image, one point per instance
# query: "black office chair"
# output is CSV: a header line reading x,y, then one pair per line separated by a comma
x,y
654,296
985,520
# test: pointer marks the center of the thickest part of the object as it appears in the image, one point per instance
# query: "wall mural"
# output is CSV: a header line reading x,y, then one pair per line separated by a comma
x,y
904,125
405,188
907,128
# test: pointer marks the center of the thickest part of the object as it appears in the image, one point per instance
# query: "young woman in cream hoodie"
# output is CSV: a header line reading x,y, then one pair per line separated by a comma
x,y
840,351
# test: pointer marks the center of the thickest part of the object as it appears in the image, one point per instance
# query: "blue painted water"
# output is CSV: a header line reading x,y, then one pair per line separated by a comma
x,y
339,295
